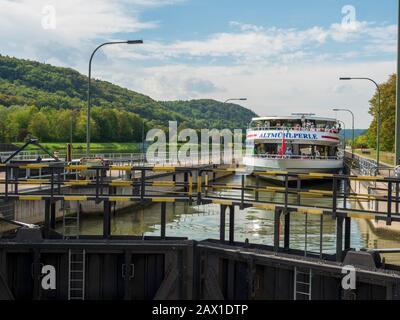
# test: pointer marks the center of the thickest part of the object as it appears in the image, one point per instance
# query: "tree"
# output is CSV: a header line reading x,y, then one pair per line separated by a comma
x,y
39,126
388,115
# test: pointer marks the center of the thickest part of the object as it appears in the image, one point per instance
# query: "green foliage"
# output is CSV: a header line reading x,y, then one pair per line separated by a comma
x,y
361,142
45,101
388,116
212,114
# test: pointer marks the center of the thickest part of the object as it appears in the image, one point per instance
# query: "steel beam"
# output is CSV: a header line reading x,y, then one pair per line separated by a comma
x,y
163,220
347,233
287,231
339,239
107,220
53,215
222,225
277,221
231,224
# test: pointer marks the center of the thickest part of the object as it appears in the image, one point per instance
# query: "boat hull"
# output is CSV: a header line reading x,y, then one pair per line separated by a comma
x,y
297,166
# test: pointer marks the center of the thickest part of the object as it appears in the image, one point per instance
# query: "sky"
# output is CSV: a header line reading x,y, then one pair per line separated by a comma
x,y
283,56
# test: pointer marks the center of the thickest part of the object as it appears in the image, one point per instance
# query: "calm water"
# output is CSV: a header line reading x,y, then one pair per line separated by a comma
x,y
202,222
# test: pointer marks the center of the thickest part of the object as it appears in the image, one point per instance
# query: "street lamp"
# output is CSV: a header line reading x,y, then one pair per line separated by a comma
x,y
352,115
378,129
89,86
236,99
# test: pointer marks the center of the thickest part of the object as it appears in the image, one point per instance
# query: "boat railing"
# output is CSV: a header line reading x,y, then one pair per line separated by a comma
x,y
300,157
313,129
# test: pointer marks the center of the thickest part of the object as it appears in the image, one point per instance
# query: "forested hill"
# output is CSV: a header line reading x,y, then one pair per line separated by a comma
x,y
44,101
211,113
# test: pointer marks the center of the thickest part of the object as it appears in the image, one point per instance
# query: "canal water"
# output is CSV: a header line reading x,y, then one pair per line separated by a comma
x,y
256,225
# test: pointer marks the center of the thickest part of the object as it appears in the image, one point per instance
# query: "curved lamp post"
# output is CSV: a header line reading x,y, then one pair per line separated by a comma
x,y
378,129
352,115
89,86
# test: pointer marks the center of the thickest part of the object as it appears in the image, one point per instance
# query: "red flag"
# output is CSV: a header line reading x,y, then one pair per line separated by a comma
x,y
283,147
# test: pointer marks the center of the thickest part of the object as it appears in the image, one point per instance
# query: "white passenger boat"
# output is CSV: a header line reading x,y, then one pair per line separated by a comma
x,y
297,144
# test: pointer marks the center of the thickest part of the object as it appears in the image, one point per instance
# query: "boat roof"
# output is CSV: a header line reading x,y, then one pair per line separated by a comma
x,y
294,118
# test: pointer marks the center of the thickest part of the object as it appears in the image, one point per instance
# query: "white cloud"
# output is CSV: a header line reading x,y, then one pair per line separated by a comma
x,y
271,90
256,44
78,25
279,70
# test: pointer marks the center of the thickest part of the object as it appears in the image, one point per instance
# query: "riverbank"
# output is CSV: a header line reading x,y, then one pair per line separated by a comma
x,y
105,147
387,158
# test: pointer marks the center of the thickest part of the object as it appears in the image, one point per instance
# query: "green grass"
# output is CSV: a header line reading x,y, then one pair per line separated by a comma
x,y
108,147
385,157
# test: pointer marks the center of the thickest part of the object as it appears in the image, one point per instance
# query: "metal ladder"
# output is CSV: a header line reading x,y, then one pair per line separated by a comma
x,y
71,222
76,274
302,284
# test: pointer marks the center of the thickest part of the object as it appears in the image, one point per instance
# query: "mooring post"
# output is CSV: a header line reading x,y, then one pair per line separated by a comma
x,y
231,225
276,229
107,219
347,233
339,238
222,223
287,231
163,220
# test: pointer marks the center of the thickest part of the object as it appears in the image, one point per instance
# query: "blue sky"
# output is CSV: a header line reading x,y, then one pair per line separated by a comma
x,y
284,56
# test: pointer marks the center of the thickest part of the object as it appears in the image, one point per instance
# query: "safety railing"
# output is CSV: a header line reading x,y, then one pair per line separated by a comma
x,y
97,183
295,194
294,157
170,184
299,128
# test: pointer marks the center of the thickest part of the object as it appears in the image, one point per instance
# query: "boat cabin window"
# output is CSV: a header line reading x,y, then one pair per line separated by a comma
x,y
296,150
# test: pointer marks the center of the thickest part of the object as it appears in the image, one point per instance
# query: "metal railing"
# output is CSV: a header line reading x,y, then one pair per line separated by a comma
x,y
95,179
301,157
139,159
99,185
264,128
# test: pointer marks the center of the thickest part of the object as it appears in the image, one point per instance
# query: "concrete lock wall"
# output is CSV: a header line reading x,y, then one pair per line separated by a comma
x,y
170,270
